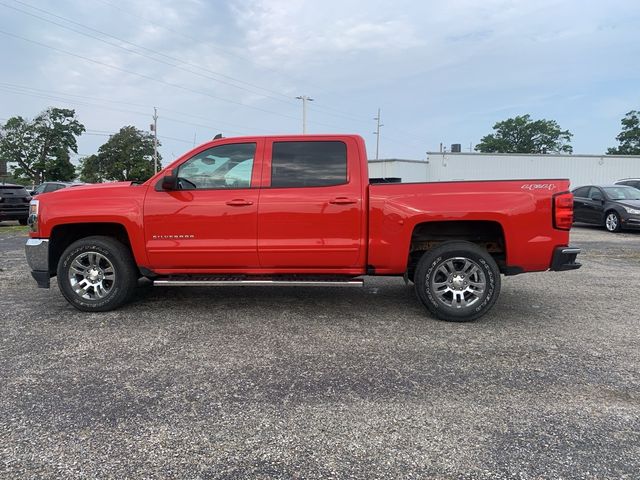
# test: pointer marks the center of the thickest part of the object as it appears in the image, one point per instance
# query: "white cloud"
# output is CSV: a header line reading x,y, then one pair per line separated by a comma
x,y
283,33
438,69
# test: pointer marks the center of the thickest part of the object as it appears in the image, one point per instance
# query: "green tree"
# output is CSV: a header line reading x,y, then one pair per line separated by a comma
x,y
523,135
127,155
39,149
629,137
90,170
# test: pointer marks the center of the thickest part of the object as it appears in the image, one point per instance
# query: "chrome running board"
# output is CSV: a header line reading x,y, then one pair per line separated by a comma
x,y
231,281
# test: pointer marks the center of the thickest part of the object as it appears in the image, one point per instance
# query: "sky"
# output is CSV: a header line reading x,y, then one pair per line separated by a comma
x,y
439,71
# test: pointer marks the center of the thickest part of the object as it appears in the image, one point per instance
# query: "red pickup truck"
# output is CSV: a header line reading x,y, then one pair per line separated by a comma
x,y
297,210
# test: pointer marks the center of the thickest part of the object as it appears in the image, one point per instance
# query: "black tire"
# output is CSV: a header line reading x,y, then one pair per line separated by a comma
x,y
612,221
461,285
22,221
115,271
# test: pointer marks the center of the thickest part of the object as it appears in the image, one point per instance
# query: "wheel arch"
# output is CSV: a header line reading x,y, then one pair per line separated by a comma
x,y
65,234
488,234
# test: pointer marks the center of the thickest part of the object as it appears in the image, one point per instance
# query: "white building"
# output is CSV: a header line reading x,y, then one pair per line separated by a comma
x,y
442,167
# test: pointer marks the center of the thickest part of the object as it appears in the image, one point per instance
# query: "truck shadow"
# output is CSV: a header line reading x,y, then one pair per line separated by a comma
x,y
378,300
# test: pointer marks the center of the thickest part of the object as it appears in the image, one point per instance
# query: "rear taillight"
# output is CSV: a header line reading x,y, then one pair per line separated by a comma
x,y
563,210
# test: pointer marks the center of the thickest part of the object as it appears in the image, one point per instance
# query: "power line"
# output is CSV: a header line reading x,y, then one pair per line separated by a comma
x,y
71,102
145,106
174,59
107,133
283,97
83,103
141,75
327,110
147,77
234,56
59,96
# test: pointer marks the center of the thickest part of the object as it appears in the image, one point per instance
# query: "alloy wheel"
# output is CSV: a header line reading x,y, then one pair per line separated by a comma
x,y
91,275
458,282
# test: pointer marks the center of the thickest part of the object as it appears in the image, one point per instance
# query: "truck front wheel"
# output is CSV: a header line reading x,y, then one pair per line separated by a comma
x,y
97,274
457,281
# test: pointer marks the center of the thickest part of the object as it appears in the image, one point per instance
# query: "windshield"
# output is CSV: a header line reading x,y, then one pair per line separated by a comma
x,y
622,193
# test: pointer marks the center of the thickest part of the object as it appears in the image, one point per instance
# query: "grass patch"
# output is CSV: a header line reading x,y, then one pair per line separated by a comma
x,y
13,229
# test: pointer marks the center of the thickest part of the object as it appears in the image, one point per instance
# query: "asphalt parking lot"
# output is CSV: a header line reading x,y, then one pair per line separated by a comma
x,y
326,383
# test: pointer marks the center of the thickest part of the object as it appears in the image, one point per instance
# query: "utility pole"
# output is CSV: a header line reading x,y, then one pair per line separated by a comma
x,y
377,133
304,99
154,129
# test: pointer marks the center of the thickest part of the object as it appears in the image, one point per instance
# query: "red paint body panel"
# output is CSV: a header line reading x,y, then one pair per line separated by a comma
x,y
118,202
214,234
524,215
212,228
304,230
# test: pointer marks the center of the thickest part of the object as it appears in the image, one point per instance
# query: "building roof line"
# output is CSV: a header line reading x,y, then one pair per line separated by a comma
x,y
542,155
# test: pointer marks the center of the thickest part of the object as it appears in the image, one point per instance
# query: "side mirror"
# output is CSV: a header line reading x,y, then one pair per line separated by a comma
x,y
597,198
170,182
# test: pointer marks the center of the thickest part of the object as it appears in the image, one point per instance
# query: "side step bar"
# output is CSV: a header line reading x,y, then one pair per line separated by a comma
x,y
200,281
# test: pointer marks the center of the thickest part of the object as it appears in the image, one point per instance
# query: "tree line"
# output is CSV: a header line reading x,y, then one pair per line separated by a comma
x,y
40,149
521,134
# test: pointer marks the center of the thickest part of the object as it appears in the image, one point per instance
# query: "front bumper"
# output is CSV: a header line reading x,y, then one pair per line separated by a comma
x,y
630,221
14,212
564,258
37,251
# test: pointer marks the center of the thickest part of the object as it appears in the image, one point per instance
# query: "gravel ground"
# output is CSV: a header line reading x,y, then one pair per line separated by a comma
x,y
326,383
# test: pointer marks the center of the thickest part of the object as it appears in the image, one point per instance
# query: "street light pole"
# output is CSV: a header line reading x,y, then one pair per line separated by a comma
x,y
304,99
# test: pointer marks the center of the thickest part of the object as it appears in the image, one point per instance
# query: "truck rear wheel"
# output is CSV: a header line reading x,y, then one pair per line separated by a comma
x,y
457,281
97,274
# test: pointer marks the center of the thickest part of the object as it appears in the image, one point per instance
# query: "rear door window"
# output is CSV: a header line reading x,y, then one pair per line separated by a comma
x,y
582,192
308,164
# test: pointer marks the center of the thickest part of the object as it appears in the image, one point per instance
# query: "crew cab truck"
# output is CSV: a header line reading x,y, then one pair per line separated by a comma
x,y
297,210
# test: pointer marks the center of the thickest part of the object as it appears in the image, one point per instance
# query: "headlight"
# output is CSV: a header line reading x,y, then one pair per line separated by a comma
x,y
33,215
632,211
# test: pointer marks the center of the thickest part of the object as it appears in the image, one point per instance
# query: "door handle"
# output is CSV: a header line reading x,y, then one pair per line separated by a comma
x,y
239,202
343,201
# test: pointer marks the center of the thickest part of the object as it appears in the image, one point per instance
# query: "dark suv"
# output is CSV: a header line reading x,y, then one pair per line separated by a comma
x,y
14,203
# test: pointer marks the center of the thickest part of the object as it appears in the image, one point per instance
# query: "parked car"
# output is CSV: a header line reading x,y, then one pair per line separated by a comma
x,y
14,203
632,182
48,187
297,211
614,206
